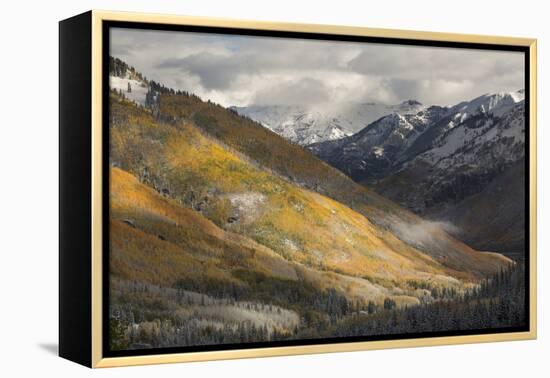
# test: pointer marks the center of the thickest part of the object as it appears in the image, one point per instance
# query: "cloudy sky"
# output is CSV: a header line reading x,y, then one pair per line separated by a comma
x,y
242,70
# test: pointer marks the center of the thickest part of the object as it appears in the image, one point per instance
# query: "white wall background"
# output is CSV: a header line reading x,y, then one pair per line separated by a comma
x,y
28,186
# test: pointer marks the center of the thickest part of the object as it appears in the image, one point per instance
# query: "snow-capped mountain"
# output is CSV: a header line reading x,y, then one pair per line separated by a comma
x,y
440,159
459,162
389,143
478,136
304,126
471,177
374,150
496,104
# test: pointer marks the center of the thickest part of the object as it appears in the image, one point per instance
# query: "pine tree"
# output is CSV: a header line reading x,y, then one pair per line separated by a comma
x,y
389,304
371,308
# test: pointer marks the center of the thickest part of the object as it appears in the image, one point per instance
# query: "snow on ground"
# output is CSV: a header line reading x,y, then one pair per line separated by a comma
x,y
378,151
248,206
495,103
139,89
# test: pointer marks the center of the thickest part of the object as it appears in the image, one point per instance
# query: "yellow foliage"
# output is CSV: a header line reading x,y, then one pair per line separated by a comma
x,y
219,205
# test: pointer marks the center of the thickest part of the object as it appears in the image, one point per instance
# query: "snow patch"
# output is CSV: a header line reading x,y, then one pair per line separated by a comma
x,y
247,206
378,151
139,89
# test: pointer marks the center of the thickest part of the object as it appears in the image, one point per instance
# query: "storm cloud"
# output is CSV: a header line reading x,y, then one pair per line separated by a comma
x,y
245,70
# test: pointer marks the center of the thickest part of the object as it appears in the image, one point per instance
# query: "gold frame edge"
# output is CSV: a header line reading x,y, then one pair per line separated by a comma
x,y
97,359
97,197
533,188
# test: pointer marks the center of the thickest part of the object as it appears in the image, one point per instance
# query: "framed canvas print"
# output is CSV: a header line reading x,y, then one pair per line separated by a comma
x,y
235,189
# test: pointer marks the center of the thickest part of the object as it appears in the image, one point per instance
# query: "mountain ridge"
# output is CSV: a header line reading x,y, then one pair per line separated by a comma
x,y
446,158
304,126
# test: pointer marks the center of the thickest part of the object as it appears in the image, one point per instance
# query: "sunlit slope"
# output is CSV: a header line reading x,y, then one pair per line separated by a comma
x,y
298,224
297,165
219,183
156,241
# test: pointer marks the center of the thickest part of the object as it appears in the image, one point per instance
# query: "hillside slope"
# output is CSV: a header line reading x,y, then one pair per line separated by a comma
x,y
233,192
163,161
459,174
503,199
223,232
300,167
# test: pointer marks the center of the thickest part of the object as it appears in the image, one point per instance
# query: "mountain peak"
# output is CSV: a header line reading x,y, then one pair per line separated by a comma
x,y
393,117
411,102
515,96
496,103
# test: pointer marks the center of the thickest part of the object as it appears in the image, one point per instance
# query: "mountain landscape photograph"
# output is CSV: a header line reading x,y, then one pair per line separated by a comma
x,y
269,190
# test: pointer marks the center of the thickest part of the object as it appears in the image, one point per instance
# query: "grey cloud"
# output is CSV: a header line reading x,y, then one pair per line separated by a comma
x,y
306,91
240,70
404,88
429,91
416,62
219,71
439,75
214,71
122,50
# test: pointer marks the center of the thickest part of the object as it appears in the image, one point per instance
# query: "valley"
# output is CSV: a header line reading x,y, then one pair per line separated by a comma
x,y
222,231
